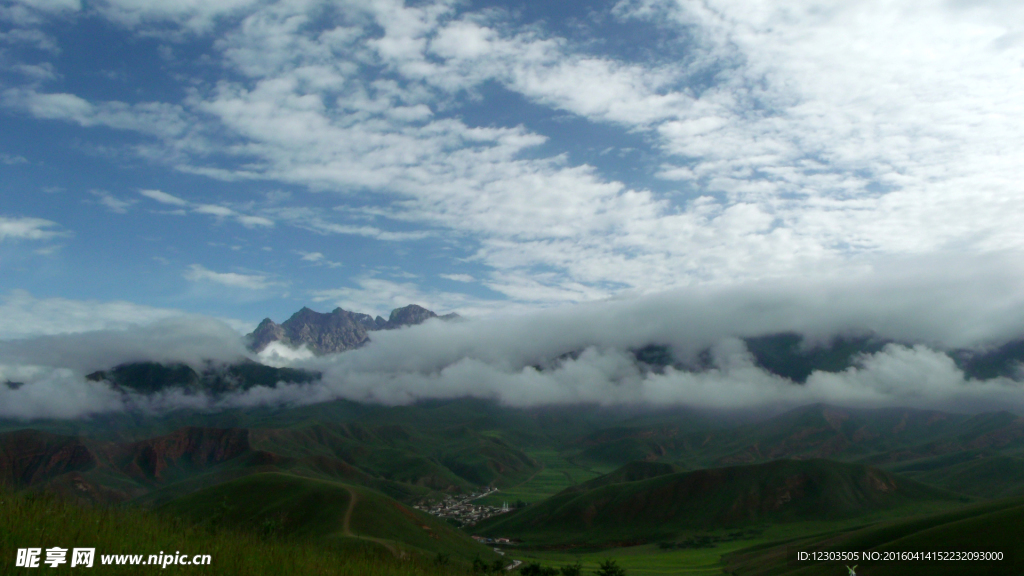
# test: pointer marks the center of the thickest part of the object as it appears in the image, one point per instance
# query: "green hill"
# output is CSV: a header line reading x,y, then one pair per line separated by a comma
x,y
32,520
876,437
631,472
659,507
295,507
972,472
988,526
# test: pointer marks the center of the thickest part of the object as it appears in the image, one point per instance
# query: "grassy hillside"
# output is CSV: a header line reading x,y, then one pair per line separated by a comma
x,y
631,472
35,521
972,472
659,507
876,437
295,507
988,526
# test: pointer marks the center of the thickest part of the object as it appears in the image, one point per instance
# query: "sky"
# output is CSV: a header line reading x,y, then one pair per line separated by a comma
x,y
230,160
243,158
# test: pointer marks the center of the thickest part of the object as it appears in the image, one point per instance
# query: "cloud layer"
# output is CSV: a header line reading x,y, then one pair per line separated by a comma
x,y
582,353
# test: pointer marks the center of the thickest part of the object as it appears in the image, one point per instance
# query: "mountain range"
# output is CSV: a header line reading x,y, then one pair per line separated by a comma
x,y
336,331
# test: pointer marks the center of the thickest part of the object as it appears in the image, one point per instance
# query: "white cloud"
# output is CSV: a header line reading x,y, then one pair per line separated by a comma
x,y
197,273
254,221
318,259
279,355
496,358
36,72
159,119
112,203
26,36
218,211
22,315
378,296
801,138
212,210
11,160
197,16
315,220
52,368
28,229
458,277
51,5
163,197
33,12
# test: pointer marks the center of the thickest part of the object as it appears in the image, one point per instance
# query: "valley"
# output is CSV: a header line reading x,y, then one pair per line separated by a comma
x,y
605,485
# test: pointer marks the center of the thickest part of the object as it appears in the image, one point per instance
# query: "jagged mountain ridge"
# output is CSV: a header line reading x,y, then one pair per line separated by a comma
x,y
336,331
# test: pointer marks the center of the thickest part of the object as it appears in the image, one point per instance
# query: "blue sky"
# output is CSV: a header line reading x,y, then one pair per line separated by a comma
x,y
242,158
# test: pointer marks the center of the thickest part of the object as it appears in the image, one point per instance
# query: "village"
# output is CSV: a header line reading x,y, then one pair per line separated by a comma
x,y
462,509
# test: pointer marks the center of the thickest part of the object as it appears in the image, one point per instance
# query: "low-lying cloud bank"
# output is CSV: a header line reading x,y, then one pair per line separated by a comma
x,y
582,353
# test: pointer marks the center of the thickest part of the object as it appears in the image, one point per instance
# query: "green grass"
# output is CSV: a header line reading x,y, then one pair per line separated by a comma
x,y
651,560
657,508
983,475
558,474
297,507
987,526
34,521
638,560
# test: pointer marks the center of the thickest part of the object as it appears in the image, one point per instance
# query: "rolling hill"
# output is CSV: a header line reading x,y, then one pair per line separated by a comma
x,y
290,506
987,526
117,533
878,437
974,472
658,507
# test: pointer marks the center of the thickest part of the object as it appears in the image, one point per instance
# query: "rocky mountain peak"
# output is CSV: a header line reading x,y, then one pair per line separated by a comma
x,y
336,331
409,316
268,331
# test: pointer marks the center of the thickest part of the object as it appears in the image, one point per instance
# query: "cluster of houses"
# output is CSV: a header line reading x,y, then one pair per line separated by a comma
x,y
486,540
462,509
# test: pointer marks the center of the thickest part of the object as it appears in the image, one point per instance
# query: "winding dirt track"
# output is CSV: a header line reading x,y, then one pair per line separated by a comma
x,y
346,526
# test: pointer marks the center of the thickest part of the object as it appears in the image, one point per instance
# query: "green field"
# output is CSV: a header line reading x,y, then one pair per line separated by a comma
x,y
557,475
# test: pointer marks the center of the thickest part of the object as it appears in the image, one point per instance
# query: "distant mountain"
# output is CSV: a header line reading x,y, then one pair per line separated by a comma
x,y
150,377
336,331
789,355
879,437
980,473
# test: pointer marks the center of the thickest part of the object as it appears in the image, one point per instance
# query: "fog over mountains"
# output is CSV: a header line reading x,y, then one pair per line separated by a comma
x,y
945,342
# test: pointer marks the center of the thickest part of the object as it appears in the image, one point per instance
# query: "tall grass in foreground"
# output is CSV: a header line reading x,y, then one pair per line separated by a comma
x,y
42,521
